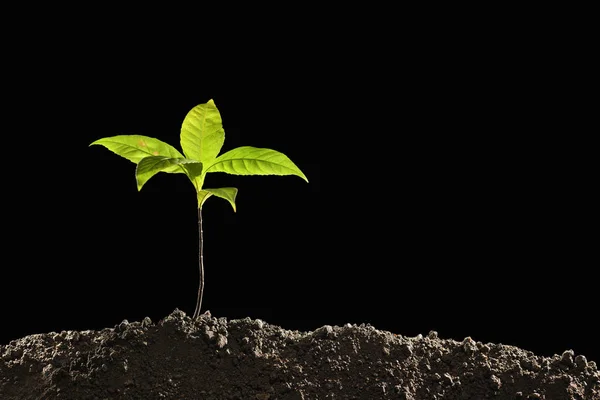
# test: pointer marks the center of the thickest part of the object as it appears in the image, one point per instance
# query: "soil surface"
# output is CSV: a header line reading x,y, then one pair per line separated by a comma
x,y
213,358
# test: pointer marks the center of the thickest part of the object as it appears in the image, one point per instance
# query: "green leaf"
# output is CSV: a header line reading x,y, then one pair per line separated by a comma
x,y
248,160
227,193
151,165
202,133
194,171
136,147
203,195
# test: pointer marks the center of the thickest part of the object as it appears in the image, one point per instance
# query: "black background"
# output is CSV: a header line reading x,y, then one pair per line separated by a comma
x,y
449,188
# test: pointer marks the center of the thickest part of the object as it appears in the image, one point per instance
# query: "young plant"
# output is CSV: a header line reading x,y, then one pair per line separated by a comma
x,y
201,139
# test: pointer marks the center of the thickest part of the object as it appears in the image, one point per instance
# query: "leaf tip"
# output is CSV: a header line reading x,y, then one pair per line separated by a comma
x,y
138,182
301,175
139,185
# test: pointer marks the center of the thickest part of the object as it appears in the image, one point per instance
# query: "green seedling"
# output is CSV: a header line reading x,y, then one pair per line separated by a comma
x,y
202,136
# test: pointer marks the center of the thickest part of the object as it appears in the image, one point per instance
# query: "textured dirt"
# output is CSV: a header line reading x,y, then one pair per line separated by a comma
x,y
213,358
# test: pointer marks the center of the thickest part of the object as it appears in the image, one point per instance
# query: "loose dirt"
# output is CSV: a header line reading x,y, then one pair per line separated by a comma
x,y
213,358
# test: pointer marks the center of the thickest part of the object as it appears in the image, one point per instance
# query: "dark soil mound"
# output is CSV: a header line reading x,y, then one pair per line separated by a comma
x,y
248,359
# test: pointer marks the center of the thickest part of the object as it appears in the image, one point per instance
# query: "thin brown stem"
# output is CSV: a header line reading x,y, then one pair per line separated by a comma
x,y
201,265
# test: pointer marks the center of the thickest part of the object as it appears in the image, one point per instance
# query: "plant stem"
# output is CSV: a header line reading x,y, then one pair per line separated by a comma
x,y
201,265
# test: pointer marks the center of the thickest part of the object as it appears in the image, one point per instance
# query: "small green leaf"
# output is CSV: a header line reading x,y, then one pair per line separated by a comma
x,y
227,193
203,195
193,168
248,160
136,147
202,133
151,165
194,171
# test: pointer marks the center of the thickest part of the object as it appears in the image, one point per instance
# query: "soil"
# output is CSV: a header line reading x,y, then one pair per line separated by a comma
x,y
213,358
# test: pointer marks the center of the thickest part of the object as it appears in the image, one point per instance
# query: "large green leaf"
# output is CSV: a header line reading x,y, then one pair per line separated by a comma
x,y
248,160
136,147
202,133
227,193
151,165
